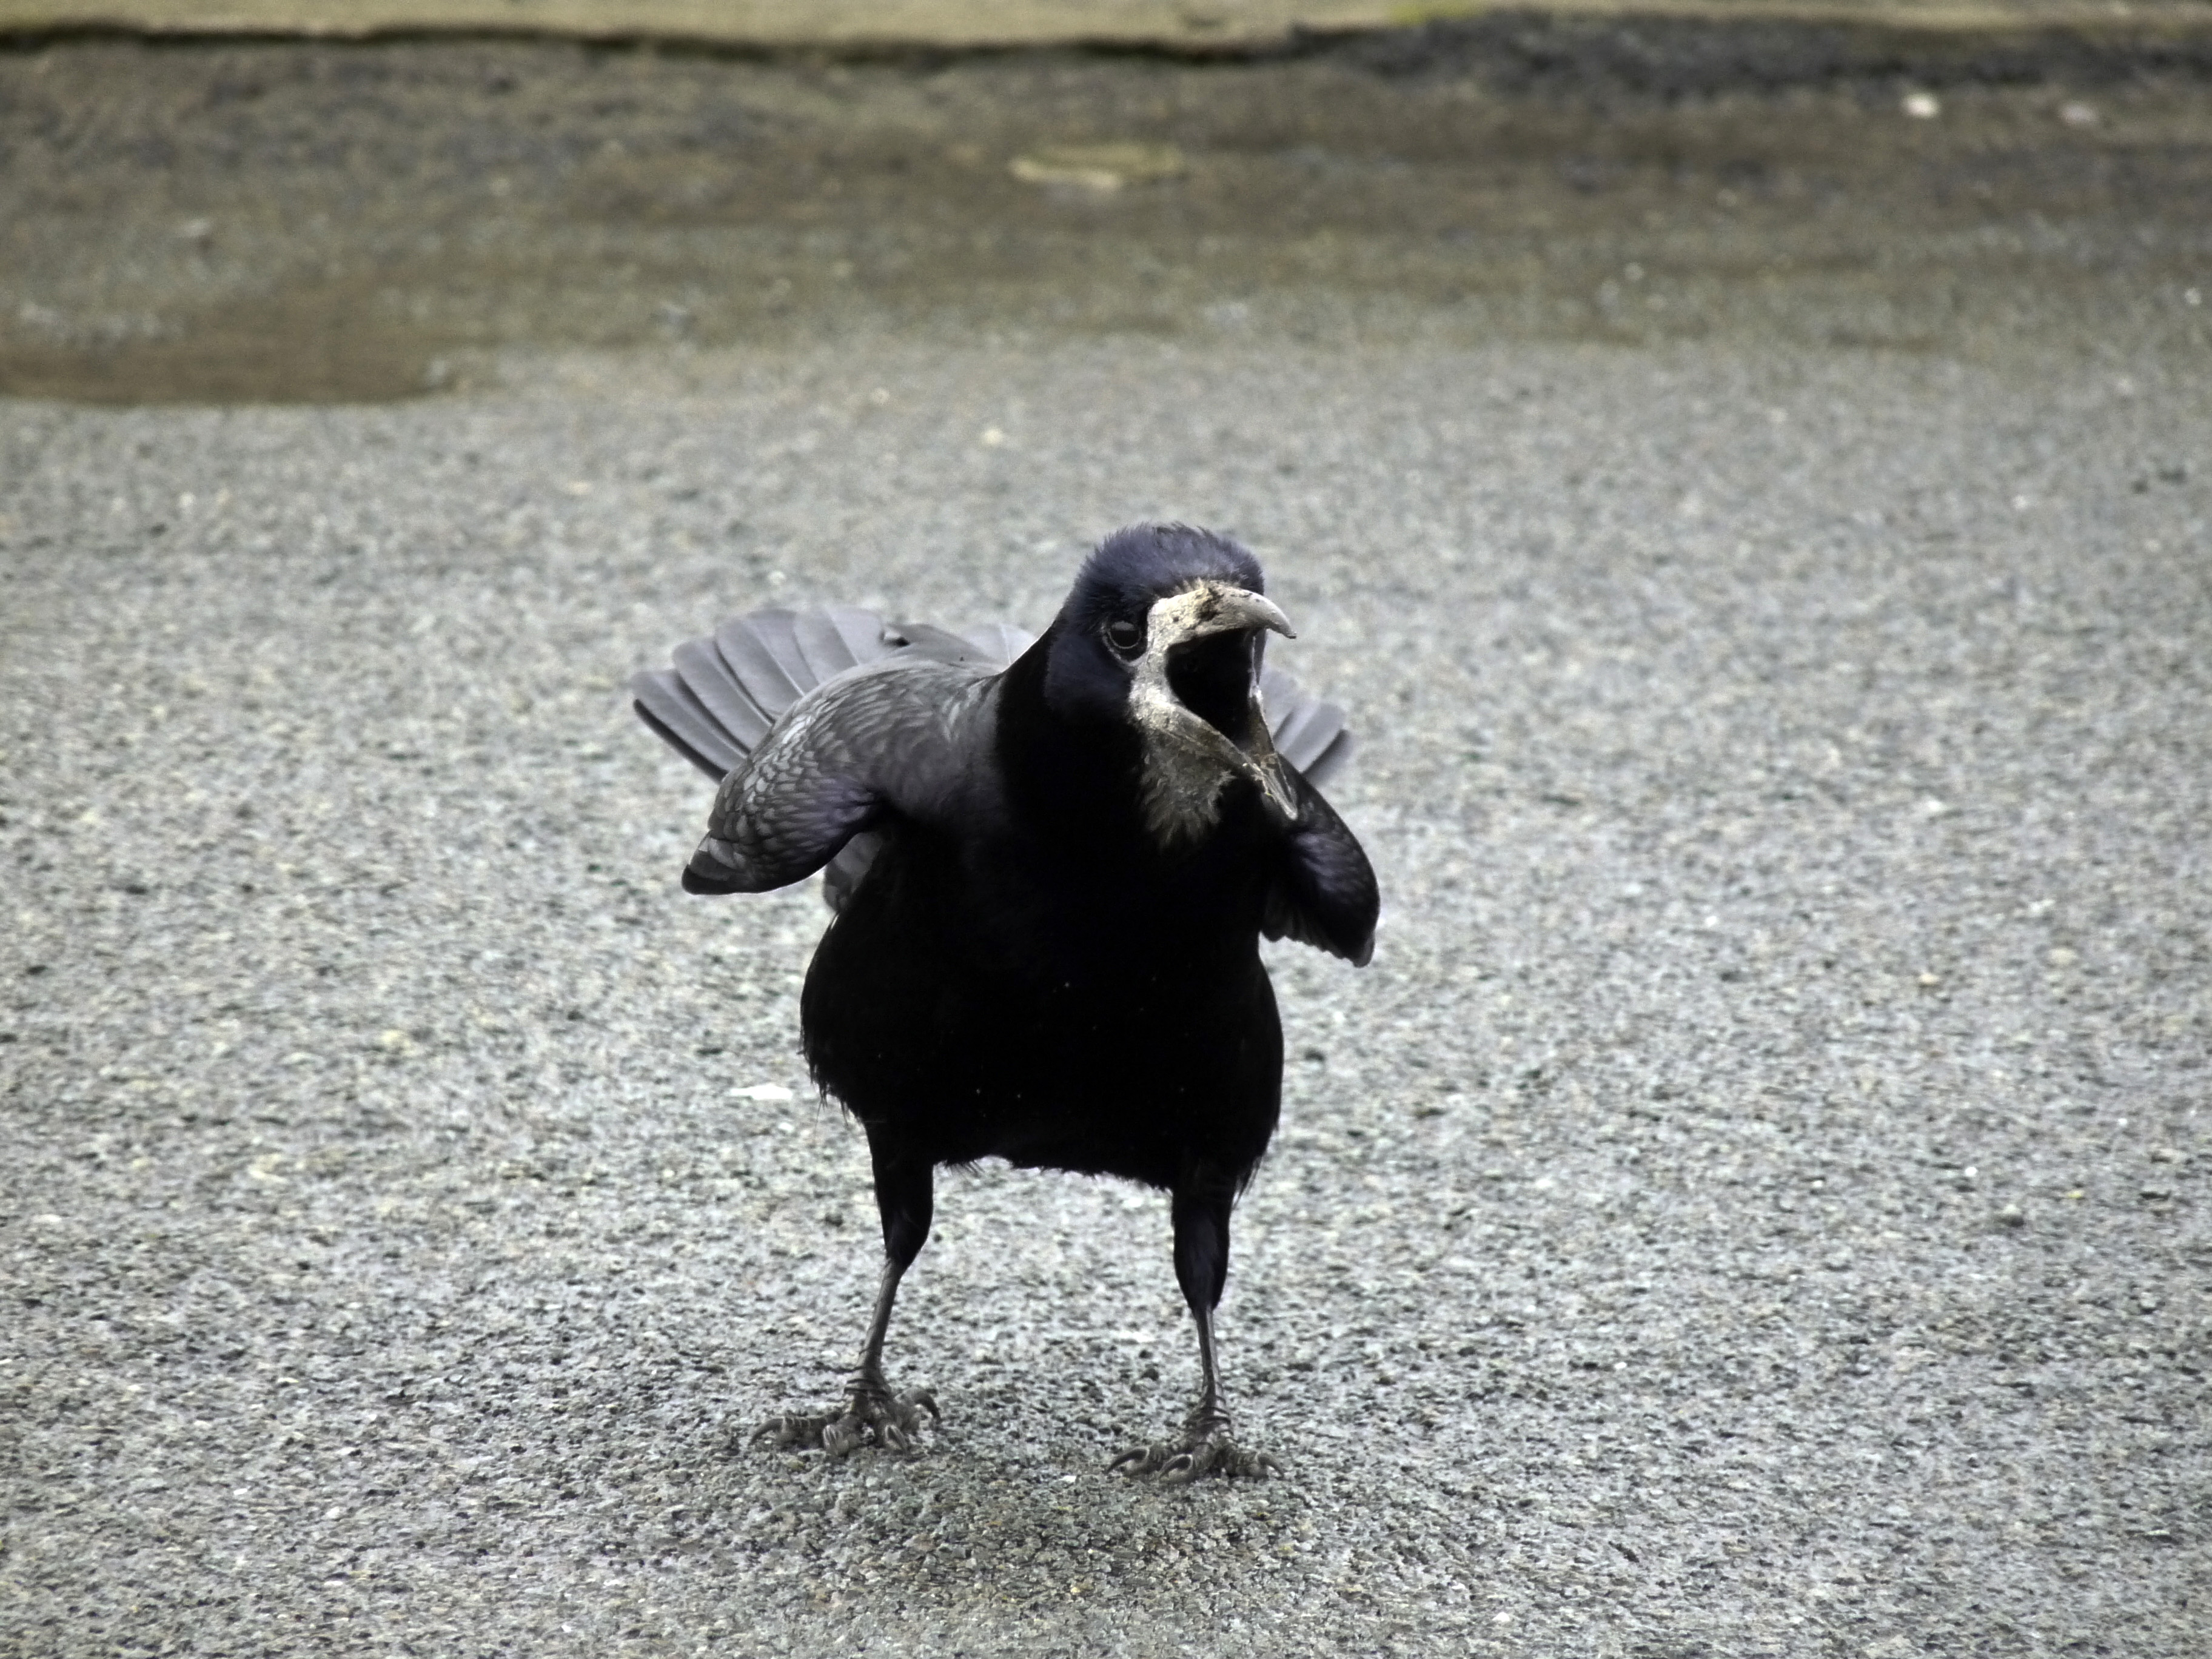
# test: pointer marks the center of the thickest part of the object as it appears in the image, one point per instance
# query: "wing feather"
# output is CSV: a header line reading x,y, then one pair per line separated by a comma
x,y
764,656
1319,724
842,875
1287,726
707,676
1000,643
1307,732
727,695
938,644
1333,759
668,706
1323,893
885,739
861,630
852,754
821,645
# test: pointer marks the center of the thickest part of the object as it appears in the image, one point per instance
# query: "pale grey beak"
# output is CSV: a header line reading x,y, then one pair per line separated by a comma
x,y
1201,609
1219,610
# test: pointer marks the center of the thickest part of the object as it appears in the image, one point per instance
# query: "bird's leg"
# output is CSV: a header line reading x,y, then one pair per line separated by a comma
x,y
871,1410
1206,1444
874,1410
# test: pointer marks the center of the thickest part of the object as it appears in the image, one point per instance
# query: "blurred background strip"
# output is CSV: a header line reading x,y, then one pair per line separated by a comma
x,y
1202,25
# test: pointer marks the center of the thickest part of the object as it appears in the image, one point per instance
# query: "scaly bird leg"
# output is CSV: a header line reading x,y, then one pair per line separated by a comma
x,y
1206,1445
871,1410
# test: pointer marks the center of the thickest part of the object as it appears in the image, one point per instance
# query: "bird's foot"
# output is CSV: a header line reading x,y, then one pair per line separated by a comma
x,y
1207,1446
871,1413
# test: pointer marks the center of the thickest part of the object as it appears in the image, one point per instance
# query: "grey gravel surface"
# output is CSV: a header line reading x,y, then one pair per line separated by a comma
x,y
1754,1202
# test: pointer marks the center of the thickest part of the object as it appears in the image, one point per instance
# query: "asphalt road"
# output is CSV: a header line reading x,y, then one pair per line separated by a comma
x,y
1755,1202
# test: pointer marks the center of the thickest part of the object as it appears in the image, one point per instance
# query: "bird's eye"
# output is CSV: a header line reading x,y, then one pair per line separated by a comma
x,y
1124,637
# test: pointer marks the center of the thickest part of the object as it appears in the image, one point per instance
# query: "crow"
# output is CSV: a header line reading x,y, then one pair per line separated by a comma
x,y
1050,864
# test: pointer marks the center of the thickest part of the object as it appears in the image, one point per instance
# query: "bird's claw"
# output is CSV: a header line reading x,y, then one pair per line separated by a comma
x,y
1206,1447
874,1412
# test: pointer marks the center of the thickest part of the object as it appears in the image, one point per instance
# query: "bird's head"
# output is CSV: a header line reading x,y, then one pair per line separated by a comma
x,y
1164,629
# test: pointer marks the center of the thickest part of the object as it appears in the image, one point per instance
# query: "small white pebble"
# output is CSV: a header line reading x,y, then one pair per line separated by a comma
x,y
1921,105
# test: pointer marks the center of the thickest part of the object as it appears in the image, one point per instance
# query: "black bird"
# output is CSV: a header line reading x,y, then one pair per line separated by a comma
x,y
1051,863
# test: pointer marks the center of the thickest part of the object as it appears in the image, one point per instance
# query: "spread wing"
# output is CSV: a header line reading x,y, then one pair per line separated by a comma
x,y
725,694
720,703
884,736
1324,893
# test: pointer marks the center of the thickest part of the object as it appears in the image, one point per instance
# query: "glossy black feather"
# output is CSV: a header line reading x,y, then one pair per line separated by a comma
x,y
1021,965
665,703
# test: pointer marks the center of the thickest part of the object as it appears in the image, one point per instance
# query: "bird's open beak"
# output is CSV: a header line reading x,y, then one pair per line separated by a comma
x,y
1203,609
1207,608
